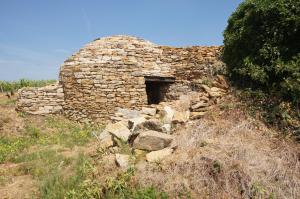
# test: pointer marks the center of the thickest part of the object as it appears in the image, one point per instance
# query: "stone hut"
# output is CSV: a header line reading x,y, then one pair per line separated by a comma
x,y
121,72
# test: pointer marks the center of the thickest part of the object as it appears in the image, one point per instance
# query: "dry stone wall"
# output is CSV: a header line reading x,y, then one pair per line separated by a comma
x,y
41,101
192,66
109,73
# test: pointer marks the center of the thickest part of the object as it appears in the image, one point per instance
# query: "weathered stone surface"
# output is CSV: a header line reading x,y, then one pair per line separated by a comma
x,y
106,139
149,111
214,91
134,122
166,128
122,160
167,114
199,105
152,141
151,124
180,117
221,82
156,156
197,115
127,113
183,104
118,130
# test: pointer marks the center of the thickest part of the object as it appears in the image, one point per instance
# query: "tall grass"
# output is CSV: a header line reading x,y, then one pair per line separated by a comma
x,y
6,86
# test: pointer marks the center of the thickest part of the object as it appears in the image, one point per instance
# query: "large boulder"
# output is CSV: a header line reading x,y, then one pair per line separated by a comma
x,y
156,156
118,130
152,140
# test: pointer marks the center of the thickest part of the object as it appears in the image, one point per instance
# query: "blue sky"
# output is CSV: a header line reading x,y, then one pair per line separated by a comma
x,y
36,36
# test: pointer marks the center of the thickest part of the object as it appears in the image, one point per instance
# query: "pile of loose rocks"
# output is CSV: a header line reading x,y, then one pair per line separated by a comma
x,y
150,130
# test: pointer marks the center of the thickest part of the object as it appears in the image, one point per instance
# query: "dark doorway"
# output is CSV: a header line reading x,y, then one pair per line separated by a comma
x,y
156,88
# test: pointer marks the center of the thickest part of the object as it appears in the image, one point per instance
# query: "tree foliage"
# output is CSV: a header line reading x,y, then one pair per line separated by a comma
x,y
262,46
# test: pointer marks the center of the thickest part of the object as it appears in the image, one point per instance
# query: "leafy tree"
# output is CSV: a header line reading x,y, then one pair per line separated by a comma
x,y
262,46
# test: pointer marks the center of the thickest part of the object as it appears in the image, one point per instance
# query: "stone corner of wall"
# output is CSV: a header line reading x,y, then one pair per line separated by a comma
x,y
41,101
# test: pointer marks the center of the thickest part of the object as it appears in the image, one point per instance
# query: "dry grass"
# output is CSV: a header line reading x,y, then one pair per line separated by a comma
x,y
228,156
10,123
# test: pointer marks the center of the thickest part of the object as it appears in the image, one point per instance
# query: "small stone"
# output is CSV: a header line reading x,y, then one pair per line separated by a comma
x,y
156,156
149,111
167,114
197,115
122,160
199,105
166,128
181,117
222,82
106,140
134,122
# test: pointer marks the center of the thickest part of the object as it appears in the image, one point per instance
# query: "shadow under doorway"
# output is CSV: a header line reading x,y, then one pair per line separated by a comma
x,y
157,87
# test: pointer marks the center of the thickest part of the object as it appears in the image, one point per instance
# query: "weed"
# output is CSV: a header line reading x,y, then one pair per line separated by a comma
x,y
272,110
7,101
124,147
203,144
58,185
6,86
216,167
227,106
67,133
123,187
10,147
32,131
4,120
208,82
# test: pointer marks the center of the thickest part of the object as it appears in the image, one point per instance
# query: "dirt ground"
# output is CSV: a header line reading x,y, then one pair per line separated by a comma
x,y
226,154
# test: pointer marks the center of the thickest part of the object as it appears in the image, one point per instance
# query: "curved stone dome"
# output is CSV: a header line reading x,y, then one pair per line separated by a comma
x,y
122,51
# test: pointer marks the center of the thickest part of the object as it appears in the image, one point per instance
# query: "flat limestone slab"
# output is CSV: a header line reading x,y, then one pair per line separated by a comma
x,y
118,130
152,140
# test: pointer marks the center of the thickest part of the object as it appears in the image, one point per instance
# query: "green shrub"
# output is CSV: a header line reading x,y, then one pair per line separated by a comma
x,y
6,86
122,187
262,46
11,147
57,185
